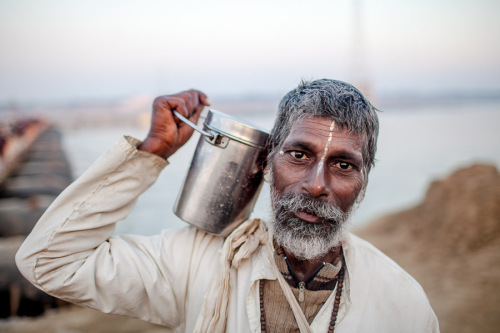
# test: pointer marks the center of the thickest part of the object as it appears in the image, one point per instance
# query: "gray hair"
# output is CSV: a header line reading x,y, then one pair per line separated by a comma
x,y
336,100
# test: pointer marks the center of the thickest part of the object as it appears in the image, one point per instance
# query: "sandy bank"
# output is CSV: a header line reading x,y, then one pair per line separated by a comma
x,y
451,244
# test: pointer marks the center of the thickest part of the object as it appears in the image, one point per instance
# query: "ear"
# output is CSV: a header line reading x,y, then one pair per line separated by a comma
x,y
268,174
362,193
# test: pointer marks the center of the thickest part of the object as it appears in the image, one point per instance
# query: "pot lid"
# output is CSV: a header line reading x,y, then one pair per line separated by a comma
x,y
236,129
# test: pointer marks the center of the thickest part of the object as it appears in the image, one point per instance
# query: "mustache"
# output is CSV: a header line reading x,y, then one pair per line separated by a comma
x,y
302,202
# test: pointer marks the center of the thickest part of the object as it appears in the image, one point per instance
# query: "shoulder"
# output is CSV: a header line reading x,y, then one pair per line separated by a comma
x,y
362,252
380,289
368,266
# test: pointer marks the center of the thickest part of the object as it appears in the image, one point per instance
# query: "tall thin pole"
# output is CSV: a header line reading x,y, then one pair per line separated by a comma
x,y
359,70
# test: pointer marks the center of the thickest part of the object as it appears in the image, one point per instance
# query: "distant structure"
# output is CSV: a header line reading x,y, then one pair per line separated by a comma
x,y
359,71
33,172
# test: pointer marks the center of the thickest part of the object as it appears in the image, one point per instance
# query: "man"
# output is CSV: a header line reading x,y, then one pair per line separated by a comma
x,y
305,273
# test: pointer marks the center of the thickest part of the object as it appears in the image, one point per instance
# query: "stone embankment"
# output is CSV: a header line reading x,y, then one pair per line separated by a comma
x,y
34,171
451,244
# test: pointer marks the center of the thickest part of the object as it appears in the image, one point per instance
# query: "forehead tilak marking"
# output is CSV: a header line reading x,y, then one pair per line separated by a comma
x,y
325,151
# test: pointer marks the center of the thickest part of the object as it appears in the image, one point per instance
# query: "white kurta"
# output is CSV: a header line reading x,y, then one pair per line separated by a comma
x,y
72,254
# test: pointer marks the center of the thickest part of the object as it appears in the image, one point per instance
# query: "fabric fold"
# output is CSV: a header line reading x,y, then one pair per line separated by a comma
x,y
238,246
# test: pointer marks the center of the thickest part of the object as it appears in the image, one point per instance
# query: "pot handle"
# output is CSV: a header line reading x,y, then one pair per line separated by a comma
x,y
193,126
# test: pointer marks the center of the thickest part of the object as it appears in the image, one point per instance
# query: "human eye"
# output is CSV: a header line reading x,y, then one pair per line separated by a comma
x,y
344,165
298,155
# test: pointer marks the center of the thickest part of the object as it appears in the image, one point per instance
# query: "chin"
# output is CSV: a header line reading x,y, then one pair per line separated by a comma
x,y
307,241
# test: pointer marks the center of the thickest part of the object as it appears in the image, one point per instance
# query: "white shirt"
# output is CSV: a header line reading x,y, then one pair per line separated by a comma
x,y
71,254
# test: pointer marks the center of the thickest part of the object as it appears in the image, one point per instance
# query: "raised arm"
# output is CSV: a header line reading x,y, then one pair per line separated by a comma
x,y
70,252
168,133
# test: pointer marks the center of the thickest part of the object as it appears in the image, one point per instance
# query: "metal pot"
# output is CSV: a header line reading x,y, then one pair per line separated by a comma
x,y
225,176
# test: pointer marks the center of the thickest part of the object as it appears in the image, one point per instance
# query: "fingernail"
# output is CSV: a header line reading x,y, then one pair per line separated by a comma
x,y
207,102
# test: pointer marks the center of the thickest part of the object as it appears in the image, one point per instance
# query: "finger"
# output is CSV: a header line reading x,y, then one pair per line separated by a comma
x,y
199,97
203,99
196,115
173,103
180,106
166,104
195,102
189,100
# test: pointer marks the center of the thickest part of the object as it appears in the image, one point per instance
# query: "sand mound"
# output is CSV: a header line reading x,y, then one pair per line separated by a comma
x,y
451,244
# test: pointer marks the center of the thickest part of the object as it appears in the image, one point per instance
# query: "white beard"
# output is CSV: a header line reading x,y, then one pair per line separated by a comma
x,y
308,241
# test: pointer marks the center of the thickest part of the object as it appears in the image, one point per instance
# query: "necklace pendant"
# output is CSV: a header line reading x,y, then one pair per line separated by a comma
x,y
302,287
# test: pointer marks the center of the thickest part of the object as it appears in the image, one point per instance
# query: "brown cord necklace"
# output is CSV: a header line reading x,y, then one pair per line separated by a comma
x,y
336,304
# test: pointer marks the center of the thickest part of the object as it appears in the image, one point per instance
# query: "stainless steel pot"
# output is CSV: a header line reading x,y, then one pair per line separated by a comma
x,y
225,176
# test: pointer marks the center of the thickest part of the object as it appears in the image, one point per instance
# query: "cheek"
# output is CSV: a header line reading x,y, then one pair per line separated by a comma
x,y
348,191
284,177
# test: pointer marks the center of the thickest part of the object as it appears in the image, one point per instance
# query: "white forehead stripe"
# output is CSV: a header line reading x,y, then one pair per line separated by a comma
x,y
325,151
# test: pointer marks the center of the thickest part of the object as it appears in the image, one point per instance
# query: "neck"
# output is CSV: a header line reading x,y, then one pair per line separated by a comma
x,y
304,268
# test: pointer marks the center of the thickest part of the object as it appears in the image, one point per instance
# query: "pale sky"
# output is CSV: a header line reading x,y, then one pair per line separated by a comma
x,y
58,50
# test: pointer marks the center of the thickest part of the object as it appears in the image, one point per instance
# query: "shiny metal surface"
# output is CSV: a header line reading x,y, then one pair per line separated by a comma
x,y
193,126
225,176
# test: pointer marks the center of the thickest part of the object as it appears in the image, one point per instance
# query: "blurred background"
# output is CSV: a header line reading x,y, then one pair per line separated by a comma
x,y
76,76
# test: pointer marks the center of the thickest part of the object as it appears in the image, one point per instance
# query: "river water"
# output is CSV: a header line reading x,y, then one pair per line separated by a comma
x,y
416,146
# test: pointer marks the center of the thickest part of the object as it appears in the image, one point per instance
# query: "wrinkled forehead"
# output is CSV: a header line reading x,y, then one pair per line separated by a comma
x,y
318,127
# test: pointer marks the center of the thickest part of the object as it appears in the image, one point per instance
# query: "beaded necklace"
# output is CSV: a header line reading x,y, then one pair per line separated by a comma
x,y
336,303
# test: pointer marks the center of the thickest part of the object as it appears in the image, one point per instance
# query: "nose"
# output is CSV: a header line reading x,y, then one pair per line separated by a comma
x,y
315,182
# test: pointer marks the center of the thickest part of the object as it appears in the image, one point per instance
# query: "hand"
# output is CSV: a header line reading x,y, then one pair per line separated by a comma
x,y
168,133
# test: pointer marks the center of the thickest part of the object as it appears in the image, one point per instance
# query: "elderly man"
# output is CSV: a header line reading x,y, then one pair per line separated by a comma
x,y
302,273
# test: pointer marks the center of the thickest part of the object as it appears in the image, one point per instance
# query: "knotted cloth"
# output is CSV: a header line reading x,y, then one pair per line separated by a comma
x,y
238,246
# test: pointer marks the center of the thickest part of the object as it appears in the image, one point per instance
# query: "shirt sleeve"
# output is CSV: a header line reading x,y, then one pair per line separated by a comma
x,y
70,253
433,323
